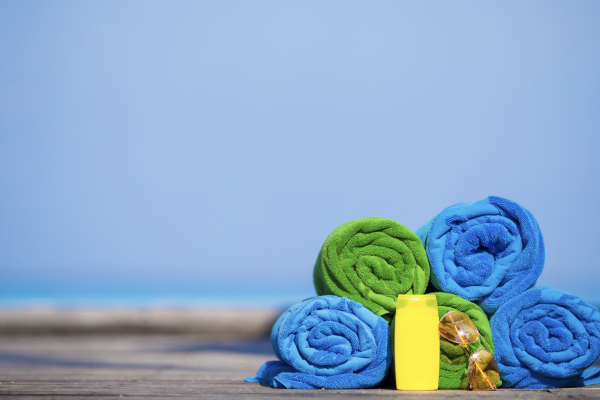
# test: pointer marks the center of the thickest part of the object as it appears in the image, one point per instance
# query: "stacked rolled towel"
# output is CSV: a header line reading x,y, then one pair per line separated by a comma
x,y
327,342
371,261
454,360
546,338
486,252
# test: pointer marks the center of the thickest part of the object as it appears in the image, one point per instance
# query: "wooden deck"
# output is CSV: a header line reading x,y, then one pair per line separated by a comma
x,y
181,366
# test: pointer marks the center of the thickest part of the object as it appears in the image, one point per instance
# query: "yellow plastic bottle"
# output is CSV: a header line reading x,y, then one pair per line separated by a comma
x,y
417,343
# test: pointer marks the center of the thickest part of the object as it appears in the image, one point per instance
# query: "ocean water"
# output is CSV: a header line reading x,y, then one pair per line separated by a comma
x,y
268,297
248,298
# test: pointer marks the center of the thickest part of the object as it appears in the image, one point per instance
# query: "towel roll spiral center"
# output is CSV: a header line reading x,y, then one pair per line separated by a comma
x,y
335,343
551,334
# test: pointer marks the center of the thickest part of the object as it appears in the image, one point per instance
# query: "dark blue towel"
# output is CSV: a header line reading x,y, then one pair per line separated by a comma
x,y
486,252
327,342
546,338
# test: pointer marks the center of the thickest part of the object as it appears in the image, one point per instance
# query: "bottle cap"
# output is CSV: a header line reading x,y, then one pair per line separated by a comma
x,y
422,304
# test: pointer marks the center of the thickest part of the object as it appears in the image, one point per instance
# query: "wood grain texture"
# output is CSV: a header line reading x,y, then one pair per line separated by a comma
x,y
180,366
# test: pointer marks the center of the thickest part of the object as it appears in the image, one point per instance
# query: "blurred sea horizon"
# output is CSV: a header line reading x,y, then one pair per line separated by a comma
x,y
247,298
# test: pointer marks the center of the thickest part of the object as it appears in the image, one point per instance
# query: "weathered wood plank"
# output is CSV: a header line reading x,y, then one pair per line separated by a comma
x,y
186,367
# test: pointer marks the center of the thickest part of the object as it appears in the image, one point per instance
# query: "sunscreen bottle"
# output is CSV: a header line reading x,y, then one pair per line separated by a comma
x,y
417,342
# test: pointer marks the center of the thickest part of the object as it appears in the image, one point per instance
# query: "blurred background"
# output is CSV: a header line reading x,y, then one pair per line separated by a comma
x,y
197,154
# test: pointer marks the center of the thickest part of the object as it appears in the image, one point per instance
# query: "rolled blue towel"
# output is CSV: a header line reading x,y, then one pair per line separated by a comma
x,y
486,252
546,338
327,342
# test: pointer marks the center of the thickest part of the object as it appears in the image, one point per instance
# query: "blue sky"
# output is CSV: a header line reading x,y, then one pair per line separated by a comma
x,y
206,149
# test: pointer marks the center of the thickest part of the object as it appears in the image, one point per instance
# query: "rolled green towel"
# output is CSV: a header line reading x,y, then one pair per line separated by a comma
x,y
371,261
454,360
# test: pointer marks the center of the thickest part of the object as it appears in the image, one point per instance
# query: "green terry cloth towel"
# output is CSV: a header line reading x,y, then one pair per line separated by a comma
x,y
454,360
371,261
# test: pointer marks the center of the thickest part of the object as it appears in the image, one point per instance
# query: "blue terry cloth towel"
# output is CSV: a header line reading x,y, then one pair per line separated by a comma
x,y
486,252
546,338
327,342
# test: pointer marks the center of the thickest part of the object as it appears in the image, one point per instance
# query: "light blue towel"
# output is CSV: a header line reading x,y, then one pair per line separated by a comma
x,y
486,252
546,338
327,342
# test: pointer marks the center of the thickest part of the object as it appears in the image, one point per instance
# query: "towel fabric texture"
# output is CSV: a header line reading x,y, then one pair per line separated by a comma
x,y
327,342
487,252
454,360
546,338
371,261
